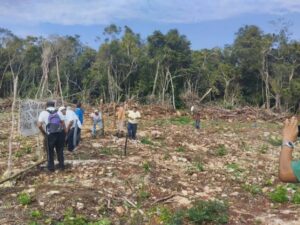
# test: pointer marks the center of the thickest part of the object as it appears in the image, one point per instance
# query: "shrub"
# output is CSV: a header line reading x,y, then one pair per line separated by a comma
x,y
182,120
275,141
253,189
24,198
296,197
221,150
147,166
204,212
36,214
146,141
279,194
180,149
264,149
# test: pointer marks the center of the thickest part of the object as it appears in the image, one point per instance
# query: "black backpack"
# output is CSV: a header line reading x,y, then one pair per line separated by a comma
x,y
54,123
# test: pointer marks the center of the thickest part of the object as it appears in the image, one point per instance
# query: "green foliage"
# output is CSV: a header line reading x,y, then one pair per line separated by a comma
x,y
36,214
180,149
182,120
199,166
296,197
279,195
19,154
146,141
234,72
170,218
275,141
104,221
28,150
106,151
24,198
204,212
264,149
147,166
221,150
143,194
252,188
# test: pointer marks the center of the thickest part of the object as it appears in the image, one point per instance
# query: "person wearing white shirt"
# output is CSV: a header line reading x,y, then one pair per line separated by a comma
x,y
73,125
97,121
52,126
133,117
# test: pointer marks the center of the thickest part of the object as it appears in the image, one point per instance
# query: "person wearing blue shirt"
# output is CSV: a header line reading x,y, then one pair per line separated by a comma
x,y
79,112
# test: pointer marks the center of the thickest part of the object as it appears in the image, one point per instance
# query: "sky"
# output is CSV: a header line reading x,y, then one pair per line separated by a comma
x,y
206,23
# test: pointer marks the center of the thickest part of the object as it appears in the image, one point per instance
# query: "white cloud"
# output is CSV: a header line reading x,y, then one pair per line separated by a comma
x,y
89,12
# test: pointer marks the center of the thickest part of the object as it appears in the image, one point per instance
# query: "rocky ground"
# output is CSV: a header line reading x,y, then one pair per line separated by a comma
x,y
226,172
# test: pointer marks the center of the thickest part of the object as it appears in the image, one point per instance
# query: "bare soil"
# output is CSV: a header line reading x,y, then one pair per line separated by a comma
x,y
232,158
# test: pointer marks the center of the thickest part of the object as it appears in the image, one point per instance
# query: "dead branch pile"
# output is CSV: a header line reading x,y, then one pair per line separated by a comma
x,y
5,104
241,114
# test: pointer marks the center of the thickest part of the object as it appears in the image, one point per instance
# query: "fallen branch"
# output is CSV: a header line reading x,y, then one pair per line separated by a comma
x,y
203,97
134,205
163,199
21,172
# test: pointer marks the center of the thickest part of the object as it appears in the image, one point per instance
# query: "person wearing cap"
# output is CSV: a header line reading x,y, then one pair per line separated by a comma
x,y
97,120
289,169
73,126
52,126
133,116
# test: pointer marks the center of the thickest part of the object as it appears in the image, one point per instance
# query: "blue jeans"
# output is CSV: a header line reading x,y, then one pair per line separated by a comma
x,y
132,128
99,123
197,124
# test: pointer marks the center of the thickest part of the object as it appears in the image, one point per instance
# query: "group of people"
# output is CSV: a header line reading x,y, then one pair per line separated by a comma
x,y
60,127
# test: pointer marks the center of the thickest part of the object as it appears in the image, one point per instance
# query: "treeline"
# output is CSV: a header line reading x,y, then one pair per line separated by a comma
x,y
259,68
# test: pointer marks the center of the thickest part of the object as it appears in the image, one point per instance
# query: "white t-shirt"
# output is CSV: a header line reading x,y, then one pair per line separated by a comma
x,y
70,116
133,116
44,116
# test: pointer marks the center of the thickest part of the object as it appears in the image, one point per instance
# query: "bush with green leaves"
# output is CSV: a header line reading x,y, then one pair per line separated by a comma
x,y
180,149
24,198
264,149
296,197
279,195
275,141
221,150
204,212
147,166
146,141
252,188
36,214
182,120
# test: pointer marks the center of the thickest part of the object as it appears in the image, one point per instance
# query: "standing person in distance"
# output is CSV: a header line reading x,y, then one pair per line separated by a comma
x,y
197,117
73,123
80,114
96,116
52,126
120,114
133,117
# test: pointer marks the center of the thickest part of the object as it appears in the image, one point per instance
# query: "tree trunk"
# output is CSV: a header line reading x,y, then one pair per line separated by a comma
x,y
58,80
155,79
172,86
9,161
278,102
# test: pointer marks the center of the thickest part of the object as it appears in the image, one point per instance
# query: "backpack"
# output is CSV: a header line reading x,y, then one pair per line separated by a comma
x,y
54,123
